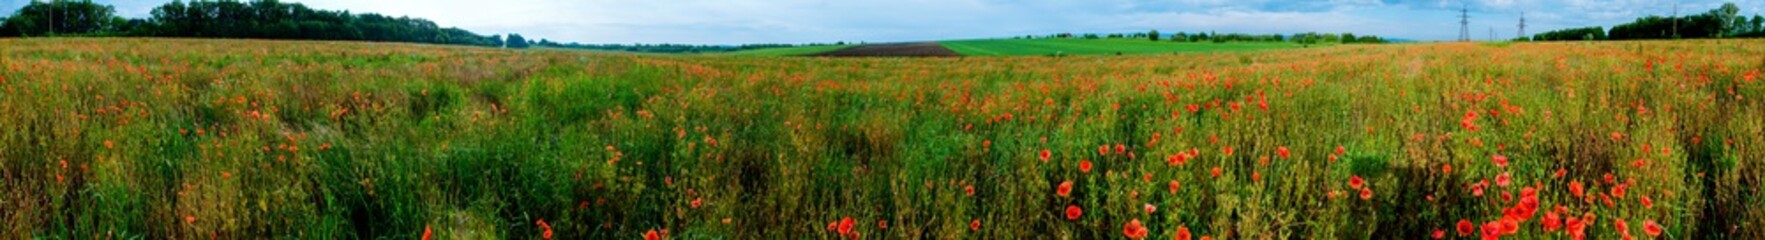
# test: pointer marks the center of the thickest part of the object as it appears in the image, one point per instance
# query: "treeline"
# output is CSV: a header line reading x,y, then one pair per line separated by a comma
x,y
1722,22
1154,35
1571,34
260,19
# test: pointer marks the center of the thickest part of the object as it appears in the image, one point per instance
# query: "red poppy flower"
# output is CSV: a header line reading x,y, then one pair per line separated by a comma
x,y
1504,179
1073,212
968,189
1552,222
1492,230
1120,148
1065,189
1174,185
652,235
1465,227
1216,172
1366,193
1649,227
1134,230
1355,181
974,225
1446,169
428,233
1622,227
1045,154
1282,151
1150,208
1085,166
1500,161
1618,190
1182,233
697,202
1226,150
846,225
1647,203
1575,188
1103,150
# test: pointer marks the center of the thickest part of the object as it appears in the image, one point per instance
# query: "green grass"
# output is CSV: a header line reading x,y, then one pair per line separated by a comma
x,y
787,51
1030,47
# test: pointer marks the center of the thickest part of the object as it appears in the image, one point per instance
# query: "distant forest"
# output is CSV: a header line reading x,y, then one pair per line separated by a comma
x,y
1722,22
272,19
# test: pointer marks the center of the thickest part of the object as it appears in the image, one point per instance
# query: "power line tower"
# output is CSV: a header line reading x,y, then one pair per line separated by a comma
x,y
1465,23
1675,19
1522,32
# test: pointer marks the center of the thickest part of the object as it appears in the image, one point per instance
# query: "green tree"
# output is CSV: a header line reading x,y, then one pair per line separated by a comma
x,y
1758,23
1727,14
62,17
516,41
1348,38
1153,34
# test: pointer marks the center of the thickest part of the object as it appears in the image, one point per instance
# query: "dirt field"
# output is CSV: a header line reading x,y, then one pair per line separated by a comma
x,y
920,49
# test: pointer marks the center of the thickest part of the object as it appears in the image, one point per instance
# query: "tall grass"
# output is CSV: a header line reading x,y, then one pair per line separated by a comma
x,y
165,138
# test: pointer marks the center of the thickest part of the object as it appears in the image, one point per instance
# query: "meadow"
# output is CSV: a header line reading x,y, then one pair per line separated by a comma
x,y
118,138
1052,46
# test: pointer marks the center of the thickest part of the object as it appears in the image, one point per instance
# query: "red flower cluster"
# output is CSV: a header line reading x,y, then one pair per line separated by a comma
x,y
1073,212
1134,230
1064,190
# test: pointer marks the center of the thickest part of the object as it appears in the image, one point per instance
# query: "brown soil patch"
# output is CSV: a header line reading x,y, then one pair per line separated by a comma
x,y
919,49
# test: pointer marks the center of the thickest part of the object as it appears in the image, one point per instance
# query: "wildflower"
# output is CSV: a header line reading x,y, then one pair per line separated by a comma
x,y
1073,212
1355,181
969,189
974,225
845,227
1439,234
1575,188
1065,189
1552,221
1465,227
543,226
1045,154
1282,151
1492,230
1647,203
427,233
1134,230
1366,193
697,202
1649,227
1182,233
1150,208
1085,166
1174,185
1504,179
1500,161
651,235
1226,150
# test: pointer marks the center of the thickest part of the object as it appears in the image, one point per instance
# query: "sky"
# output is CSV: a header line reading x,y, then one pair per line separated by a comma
x,y
821,21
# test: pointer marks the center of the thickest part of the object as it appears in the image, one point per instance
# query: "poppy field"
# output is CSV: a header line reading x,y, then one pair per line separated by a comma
x,y
121,138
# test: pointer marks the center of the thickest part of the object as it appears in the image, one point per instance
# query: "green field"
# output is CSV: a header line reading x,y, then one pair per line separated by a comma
x,y
787,51
1032,47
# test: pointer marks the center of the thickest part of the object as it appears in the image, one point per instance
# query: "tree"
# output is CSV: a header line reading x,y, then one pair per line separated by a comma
x,y
1758,23
1154,34
62,17
1348,38
1727,14
516,41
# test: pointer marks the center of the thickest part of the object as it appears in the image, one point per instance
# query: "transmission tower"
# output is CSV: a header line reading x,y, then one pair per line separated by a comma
x,y
1522,32
1465,23
1675,19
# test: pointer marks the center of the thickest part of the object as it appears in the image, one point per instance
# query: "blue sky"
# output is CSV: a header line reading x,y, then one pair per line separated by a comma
x,y
801,21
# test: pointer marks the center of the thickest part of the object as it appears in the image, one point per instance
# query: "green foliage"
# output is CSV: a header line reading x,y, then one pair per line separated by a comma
x,y
75,18
1572,34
